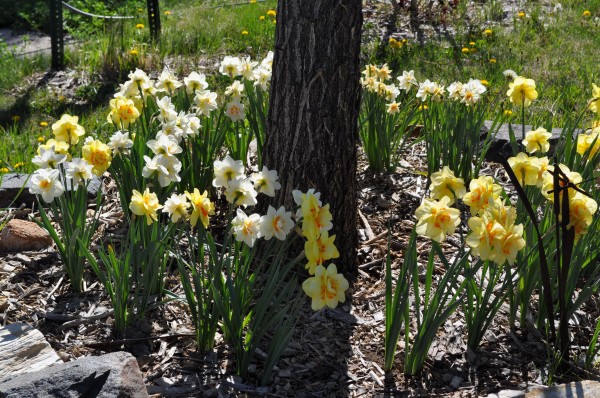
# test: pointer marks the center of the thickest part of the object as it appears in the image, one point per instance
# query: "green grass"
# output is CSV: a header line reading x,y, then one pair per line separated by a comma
x,y
557,50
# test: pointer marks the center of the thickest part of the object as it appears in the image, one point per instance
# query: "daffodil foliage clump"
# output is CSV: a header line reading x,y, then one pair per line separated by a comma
x,y
452,119
176,149
541,241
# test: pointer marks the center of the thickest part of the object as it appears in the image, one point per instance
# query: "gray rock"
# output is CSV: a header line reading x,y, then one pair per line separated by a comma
x,y
20,235
14,190
500,147
511,394
112,375
586,388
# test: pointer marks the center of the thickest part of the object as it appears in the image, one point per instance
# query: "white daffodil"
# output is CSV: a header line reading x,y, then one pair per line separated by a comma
x,y
206,102
47,158
276,223
241,193
246,228
265,181
79,171
119,143
226,170
45,182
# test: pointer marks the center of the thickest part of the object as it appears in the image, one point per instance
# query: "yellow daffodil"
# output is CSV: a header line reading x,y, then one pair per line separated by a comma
x,y
522,91
445,184
581,210
548,181
509,245
482,192
437,219
526,168
316,220
145,204
98,155
537,140
60,147
395,43
483,236
202,207
123,112
68,129
318,250
326,288
594,104
589,143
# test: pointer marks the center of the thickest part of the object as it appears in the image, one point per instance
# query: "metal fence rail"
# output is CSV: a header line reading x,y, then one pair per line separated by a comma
x,y
87,14
56,26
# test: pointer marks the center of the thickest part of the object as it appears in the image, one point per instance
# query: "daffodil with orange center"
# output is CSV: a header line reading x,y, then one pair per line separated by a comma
x,y
326,288
437,219
98,154
445,183
202,207
319,250
482,192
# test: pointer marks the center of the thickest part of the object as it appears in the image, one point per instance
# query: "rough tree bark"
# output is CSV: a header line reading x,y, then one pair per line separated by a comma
x,y
312,128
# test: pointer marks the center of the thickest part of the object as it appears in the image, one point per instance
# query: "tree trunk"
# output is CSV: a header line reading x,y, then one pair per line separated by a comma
x,y
312,127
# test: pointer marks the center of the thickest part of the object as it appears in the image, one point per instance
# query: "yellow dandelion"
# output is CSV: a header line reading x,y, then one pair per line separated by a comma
x,y
521,14
508,112
244,33
41,139
587,13
4,170
43,124
133,52
492,60
18,164
488,32
168,12
485,82
16,118
465,50
261,18
139,26
271,13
